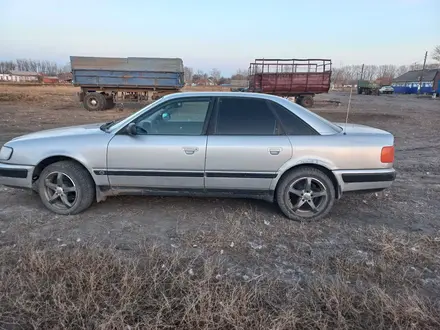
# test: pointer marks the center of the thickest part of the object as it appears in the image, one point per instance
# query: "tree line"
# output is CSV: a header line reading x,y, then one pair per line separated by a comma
x,y
41,66
214,75
351,73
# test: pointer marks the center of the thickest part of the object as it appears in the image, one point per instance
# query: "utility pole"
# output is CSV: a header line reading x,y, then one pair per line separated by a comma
x,y
421,75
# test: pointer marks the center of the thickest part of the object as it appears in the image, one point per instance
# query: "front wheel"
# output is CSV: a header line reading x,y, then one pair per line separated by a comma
x,y
305,194
66,188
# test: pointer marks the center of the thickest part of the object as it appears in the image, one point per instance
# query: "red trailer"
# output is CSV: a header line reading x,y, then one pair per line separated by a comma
x,y
299,78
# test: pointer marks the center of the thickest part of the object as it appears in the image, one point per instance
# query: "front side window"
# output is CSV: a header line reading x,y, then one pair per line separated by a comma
x,y
245,116
176,117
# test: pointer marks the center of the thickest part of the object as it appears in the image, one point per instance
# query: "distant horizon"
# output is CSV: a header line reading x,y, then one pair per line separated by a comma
x,y
429,64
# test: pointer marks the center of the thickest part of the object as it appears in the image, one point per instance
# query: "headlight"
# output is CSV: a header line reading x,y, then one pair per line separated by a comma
x,y
5,153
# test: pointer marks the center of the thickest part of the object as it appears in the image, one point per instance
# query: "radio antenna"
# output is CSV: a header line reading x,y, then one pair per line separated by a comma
x,y
348,110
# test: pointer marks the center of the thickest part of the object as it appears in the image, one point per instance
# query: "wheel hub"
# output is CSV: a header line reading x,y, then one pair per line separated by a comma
x,y
307,196
93,102
60,190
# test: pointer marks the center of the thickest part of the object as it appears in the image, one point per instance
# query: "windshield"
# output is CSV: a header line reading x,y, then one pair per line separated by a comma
x,y
110,125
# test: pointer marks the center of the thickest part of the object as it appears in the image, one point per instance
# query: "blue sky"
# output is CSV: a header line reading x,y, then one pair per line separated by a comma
x,y
225,34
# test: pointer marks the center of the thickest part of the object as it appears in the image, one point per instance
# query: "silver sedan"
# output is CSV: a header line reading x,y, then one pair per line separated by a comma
x,y
204,144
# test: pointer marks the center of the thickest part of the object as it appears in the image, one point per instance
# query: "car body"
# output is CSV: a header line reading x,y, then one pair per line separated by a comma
x,y
204,144
386,90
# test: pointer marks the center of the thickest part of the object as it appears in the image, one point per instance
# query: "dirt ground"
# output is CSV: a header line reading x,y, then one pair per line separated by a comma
x,y
253,235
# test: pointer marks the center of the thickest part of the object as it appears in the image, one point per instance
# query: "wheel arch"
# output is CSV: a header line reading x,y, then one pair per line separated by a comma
x,y
43,163
326,170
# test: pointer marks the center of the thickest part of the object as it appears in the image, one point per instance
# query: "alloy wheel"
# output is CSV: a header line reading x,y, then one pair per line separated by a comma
x,y
307,196
60,190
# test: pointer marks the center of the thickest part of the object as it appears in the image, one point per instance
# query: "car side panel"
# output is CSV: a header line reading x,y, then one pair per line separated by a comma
x,y
337,152
244,162
89,150
156,161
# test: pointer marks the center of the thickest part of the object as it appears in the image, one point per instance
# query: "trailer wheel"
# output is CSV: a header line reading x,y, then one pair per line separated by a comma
x,y
94,102
307,101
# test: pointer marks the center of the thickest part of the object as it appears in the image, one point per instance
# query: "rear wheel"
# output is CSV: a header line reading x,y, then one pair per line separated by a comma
x,y
305,194
94,102
66,188
307,101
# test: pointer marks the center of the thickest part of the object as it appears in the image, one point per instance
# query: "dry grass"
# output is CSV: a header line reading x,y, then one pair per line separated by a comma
x,y
36,94
380,286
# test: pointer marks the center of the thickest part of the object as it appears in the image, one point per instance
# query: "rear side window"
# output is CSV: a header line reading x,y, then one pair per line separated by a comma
x,y
245,116
292,124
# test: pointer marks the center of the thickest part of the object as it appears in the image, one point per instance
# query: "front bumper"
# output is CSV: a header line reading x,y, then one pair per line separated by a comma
x,y
19,176
364,180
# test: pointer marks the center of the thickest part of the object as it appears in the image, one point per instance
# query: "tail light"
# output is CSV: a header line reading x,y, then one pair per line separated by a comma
x,y
387,154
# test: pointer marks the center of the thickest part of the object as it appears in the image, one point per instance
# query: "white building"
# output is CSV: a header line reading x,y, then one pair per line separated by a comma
x,y
19,76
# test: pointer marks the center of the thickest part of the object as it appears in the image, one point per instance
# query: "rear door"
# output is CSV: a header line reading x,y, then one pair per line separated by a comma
x,y
246,146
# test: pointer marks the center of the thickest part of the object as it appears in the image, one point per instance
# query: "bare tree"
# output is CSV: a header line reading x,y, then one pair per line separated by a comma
x,y
401,70
188,74
241,74
370,72
436,53
216,75
430,66
6,66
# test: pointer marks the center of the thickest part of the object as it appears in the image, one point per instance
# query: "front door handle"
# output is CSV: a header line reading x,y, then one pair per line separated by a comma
x,y
190,150
275,151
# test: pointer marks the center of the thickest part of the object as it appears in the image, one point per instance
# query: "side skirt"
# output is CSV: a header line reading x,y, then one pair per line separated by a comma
x,y
102,192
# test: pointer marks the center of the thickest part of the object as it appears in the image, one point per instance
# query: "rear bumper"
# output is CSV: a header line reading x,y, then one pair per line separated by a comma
x,y
19,176
364,180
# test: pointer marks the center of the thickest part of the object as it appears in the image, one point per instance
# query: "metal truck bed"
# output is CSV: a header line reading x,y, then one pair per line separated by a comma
x,y
290,77
131,72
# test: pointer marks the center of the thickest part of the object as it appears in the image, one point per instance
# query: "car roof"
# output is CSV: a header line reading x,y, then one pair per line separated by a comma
x,y
224,94
319,123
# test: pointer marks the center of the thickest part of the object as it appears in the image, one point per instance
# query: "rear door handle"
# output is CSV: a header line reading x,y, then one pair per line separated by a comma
x,y
275,151
190,150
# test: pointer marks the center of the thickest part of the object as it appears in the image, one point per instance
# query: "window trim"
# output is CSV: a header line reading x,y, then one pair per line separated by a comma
x,y
212,128
271,105
212,100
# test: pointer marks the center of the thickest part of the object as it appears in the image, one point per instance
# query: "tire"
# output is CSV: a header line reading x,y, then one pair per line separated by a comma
x,y
94,102
320,183
74,178
307,101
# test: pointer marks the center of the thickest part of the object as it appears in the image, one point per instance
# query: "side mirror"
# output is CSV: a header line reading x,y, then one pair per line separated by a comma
x,y
131,129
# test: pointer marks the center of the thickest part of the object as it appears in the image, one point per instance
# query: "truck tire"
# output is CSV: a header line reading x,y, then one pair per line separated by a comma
x,y
307,101
94,102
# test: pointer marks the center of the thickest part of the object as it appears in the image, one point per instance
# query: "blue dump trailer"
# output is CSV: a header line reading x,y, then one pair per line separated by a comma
x,y
106,80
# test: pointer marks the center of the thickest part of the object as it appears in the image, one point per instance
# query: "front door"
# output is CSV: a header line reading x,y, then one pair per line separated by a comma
x,y
246,146
168,151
